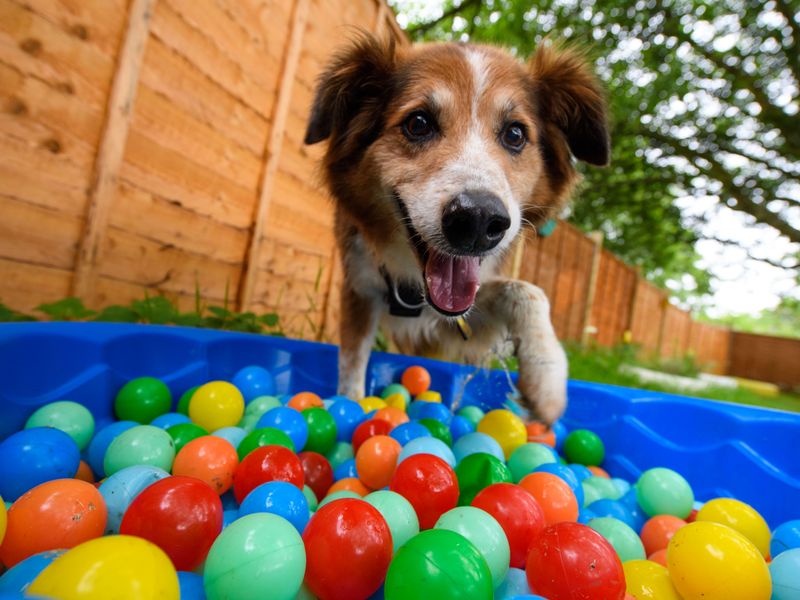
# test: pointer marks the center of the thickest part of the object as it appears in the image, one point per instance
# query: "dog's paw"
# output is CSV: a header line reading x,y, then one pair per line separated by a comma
x,y
543,385
351,389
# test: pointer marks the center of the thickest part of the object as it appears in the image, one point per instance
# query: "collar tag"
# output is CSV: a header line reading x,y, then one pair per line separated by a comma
x,y
463,328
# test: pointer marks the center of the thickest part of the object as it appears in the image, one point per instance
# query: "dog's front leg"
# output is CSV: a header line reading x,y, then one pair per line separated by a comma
x,y
524,310
359,321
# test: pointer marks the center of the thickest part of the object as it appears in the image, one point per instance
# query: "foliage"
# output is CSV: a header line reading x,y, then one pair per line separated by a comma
x,y
783,320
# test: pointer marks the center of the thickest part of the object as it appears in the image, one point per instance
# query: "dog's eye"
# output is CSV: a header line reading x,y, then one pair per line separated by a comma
x,y
418,126
513,136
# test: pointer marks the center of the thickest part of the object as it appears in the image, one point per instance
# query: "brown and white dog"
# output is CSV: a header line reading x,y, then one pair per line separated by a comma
x,y
437,156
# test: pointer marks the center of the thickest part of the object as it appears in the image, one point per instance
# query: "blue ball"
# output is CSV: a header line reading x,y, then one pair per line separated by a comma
x,y
435,410
638,515
565,473
33,456
234,435
785,573
191,586
278,498
347,414
474,443
622,485
120,489
345,470
560,431
428,445
229,516
581,472
254,381
514,584
405,432
96,451
229,501
785,537
289,421
629,498
22,574
167,420
413,409
613,508
585,515
460,426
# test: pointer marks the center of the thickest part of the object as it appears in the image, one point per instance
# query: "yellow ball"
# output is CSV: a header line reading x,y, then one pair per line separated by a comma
x,y
215,405
506,428
429,396
648,580
3,519
396,401
123,567
739,516
709,561
371,403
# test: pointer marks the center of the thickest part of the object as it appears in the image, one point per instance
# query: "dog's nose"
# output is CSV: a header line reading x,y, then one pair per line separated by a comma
x,y
475,222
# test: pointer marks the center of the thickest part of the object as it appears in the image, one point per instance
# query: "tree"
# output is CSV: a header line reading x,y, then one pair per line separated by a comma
x,y
704,102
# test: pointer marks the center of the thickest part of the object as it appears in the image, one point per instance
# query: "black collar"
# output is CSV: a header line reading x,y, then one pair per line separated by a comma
x,y
404,299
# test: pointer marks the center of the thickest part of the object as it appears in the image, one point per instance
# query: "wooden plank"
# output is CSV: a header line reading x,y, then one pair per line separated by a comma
x,y
23,286
273,150
112,145
591,285
113,291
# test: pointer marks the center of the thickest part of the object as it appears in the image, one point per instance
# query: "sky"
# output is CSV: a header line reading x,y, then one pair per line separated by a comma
x,y
740,284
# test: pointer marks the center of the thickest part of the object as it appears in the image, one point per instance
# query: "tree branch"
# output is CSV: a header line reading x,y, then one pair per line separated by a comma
x,y
793,55
451,12
764,259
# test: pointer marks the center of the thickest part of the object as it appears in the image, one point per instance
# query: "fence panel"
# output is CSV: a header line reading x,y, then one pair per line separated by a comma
x,y
766,358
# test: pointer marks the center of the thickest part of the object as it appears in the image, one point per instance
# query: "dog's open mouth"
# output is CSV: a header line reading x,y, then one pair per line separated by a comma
x,y
451,281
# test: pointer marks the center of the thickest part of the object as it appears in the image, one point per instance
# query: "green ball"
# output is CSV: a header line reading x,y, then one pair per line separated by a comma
x,y
321,430
526,458
477,471
258,406
396,388
438,430
266,436
259,556
248,422
599,488
340,452
399,514
438,563
620,535
483,530
70,417
473,414
142,400
183,433
311,498
140,445
664,492
338,496
183,403
584,447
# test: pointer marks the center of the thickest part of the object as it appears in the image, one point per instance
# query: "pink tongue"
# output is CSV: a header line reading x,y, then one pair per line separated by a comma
x,y
452,281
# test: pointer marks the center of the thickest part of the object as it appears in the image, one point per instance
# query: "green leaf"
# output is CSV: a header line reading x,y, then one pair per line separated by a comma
x,y
117,314
269,319
68,309
157,310
9,315
219,311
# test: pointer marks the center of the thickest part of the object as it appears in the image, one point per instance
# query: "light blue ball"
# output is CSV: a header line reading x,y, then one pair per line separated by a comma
x,y
428,445
121,488
474,443
234,435
21,575
785,572
514,584
785,537
613,508
167,420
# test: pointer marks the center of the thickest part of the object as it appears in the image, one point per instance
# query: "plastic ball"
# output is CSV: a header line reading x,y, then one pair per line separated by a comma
x,y
96,451
393,416
3,520
406,432
527,458
520,516
739,516
621,536
785,537
318,473
414,408
339,495
254,381
581,472
180,515
396,388
321,430
311,498
399,514
265,464
140,445
232,435
191,586
119,566
428,445
416,380
264,436
597,488
347,414
570,560
659,556
169,419
305,400
506,428
473,443
541,434
471,413
785,572
436,411
567,474
598,471
664,492
340,452
710,561
647,580
278,498
584,447
397,401
210,459
478,471
345,470
183,433
376,461
459,427
56,514
70,417
614,509
367,429
259,406
18,578
142,400
183,402
288,421
480,528
33,456
438,564
120,489
428,396
658,531
347,537
429,484
215,405
349,484
261,556
371,403
438,430
554,495
515,585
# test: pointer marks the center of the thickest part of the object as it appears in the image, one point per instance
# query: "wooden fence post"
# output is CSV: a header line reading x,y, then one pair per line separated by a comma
x,y
112,147
597,238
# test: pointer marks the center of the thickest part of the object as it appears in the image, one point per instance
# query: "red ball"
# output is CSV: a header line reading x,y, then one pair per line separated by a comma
x,y
518,513
429,484
348,550
568,561
318,473
180,515
265,464
369,428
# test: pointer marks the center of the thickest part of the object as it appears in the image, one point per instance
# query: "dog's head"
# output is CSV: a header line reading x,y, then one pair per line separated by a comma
x,y
439,153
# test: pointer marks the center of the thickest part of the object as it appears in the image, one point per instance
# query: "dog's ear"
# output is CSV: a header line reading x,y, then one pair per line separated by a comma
x,y
569,96
354,84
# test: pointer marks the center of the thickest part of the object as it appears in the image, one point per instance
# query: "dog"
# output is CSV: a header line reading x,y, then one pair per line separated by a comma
x,y
438,155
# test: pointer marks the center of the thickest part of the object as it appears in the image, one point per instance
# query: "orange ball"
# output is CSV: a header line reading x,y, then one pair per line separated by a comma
x,y
210,459
393,416
416,380
554,495
376,461
658,531
351,484
57,514
84,472
305,400
540,433
598,472
659,556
